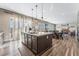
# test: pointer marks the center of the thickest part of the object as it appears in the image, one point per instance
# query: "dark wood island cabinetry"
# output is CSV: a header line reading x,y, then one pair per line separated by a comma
x,y
37,43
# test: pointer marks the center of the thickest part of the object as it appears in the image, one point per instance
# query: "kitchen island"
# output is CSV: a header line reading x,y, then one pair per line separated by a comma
x,y
38,43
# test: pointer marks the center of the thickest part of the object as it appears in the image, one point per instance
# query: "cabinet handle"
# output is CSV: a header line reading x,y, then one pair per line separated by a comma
x,y
47,37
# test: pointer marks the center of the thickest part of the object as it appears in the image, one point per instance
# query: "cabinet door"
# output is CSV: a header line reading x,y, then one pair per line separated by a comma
x,y
22,36
34,44
49,40
25,39
42,43
29,41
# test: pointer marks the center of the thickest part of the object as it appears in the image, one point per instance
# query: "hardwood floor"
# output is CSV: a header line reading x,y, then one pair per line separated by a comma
x,y
66,47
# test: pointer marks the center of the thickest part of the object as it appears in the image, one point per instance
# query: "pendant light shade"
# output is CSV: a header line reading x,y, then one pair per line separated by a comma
x,y
36,10
42,10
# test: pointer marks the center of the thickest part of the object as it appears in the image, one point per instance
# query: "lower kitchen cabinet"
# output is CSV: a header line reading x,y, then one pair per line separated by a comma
x,y
34,44
24,38
29,41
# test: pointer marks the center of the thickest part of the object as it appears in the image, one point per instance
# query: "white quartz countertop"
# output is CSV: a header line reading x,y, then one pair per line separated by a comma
x,y
39,33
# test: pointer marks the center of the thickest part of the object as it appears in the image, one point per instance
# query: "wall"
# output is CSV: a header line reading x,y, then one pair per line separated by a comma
x,y
5,17
4,21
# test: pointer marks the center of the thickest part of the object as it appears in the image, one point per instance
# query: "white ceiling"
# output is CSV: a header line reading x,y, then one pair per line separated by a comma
x,y
58,13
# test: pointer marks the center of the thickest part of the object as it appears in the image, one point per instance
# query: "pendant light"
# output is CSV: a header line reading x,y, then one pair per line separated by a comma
x,y
36,18
43,15
32,13
36,10
42,11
